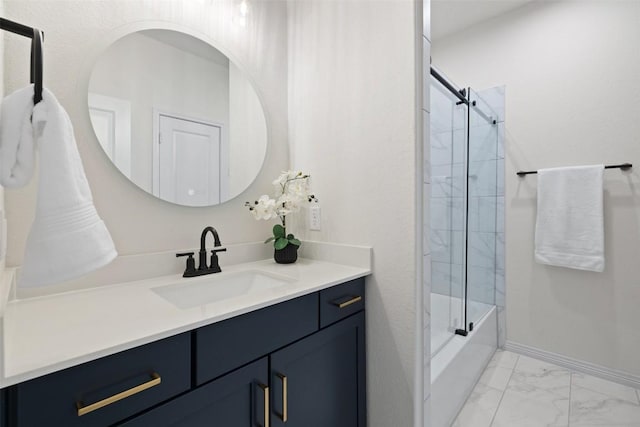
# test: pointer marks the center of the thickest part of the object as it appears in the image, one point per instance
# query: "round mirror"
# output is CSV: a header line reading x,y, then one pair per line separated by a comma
x,y
177,117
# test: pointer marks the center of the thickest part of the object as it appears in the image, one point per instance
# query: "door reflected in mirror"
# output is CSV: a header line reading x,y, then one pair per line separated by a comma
x,y
177,117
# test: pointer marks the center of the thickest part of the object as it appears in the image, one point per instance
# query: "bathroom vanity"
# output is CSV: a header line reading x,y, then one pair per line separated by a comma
x,y
268,354
258,344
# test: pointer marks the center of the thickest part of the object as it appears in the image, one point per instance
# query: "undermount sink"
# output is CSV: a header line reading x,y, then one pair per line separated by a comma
x,y
219,287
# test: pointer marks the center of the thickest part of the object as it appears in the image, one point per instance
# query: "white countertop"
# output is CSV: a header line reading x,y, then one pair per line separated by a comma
x,y
50,333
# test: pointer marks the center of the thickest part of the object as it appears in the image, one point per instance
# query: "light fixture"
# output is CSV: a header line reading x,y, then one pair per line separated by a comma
x,y
241,13
243,8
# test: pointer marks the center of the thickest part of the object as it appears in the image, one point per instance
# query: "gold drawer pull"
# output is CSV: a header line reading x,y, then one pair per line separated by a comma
x,y
83,410
265,391
342,304
285,393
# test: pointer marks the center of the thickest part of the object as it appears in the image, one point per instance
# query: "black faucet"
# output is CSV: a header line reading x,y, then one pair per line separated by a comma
x,y
203,268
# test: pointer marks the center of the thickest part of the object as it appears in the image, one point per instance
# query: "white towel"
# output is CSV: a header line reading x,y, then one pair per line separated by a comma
x,y
17,153
570,220
67,239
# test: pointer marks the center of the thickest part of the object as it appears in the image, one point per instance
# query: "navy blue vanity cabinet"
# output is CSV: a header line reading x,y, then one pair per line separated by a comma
x,y
223,346
238,399
281,360
341,301
3,410
299,363
104,391
320,380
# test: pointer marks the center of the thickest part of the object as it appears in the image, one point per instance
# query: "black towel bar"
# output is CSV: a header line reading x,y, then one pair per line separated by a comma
x,y
623,166
36,37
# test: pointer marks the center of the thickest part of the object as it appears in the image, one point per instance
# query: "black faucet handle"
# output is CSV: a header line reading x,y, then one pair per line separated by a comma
x,y
191,264
215,265
218,249
185,254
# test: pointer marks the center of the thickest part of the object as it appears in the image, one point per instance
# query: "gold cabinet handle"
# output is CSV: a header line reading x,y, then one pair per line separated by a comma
x,y
83,410
285,405
347,303
265,393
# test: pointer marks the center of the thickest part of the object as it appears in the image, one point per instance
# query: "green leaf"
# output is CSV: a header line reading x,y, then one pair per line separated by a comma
x,y
278,231
281,243
295,241
270,239
290,236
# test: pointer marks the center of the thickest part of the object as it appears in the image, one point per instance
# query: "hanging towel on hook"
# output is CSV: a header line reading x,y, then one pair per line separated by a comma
x,y
67,239
17,151
570,220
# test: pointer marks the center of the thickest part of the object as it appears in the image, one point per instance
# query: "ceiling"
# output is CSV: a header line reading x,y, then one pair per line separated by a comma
x,y
451,16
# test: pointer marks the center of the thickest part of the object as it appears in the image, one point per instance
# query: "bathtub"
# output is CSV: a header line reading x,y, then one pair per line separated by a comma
x,y
457,362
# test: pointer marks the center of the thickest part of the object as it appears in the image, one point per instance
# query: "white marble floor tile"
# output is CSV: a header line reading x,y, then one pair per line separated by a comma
x,y
542,375
589,407
480,407
634,424
518,391
524,405
609,388
496,376
503,358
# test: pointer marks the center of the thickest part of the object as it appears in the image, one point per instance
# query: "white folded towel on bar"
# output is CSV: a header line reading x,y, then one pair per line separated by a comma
x,y
67,239
570,219
17,151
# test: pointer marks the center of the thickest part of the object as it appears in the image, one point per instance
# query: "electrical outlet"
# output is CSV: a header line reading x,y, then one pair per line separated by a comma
x,y
315,220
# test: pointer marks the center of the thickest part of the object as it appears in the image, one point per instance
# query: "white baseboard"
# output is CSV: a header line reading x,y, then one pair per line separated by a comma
x,y
577,365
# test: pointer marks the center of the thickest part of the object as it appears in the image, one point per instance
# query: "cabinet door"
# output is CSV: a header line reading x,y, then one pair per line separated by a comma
x,y
320,380
237,399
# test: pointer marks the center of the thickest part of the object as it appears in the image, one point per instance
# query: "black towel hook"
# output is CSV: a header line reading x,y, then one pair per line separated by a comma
x,y
36,37
36,65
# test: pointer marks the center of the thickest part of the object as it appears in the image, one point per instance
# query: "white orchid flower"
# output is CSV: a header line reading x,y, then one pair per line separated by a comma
x,y
291,182
292,192
298,188
282,179
265,208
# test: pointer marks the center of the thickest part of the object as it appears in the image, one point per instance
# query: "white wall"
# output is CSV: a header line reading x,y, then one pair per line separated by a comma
x,y
353,127
76,32
571,73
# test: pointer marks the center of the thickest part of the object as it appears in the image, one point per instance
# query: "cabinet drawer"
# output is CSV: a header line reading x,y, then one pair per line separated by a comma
x,y
224,346
104,391
341,301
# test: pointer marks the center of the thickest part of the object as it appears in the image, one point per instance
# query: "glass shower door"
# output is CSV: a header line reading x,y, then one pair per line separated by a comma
x,y
483,207
448,214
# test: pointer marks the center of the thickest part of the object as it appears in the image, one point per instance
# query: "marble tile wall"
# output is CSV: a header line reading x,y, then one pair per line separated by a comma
x,y
485,255
448,190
